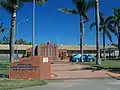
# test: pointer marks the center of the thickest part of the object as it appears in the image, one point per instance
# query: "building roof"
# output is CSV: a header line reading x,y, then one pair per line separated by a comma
x,y
77,47
67,47
19,47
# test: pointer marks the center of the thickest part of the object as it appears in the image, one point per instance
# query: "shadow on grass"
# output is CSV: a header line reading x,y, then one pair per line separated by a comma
x,y
86,68
114,70
3,70
110,69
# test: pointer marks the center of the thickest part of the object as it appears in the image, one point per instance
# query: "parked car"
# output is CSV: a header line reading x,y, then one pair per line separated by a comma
x,y
88,58
77,58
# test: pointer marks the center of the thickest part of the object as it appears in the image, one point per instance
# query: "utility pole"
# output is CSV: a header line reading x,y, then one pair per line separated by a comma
x,y
98,61
33,29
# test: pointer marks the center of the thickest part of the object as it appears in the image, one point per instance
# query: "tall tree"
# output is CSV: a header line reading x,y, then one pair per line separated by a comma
x,y
2,29
12,6
82,7
116,12
104,27
5,40
98,61
22,41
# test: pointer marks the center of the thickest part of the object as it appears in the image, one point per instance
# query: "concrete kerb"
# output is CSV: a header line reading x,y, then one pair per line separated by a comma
x,y
109,76
55,79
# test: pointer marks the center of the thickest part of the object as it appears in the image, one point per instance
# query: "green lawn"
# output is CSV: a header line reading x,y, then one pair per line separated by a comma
x,y
4,66
105,64
110,65
16,84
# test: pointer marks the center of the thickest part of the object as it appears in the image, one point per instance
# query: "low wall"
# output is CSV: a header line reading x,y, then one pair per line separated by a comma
x,y
31,68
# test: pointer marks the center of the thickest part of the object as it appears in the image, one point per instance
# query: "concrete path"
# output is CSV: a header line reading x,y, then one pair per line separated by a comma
x,y
65,70
67,73
82,84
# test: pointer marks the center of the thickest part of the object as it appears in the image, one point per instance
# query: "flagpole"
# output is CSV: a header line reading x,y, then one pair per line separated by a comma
x,y
33,29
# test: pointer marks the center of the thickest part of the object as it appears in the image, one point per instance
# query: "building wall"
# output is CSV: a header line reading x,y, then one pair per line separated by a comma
x,y
53,50
4,54
62,52
48,50
91,52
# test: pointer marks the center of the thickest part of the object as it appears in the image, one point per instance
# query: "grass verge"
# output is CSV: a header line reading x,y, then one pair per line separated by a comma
x,y
4,66
16,84
104,64
110,65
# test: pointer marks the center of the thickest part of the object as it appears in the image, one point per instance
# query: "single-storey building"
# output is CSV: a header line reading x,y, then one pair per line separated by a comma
x,y
4,51
49,49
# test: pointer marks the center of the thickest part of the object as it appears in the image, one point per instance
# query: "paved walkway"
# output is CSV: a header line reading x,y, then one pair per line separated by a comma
x,y
65,70
82,84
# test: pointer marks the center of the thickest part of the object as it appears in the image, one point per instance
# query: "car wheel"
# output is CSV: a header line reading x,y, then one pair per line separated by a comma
x,y
77,60
91,60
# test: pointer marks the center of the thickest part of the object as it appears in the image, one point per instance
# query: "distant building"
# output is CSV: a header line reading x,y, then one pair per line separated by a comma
x,y
4,51
55,52
49,49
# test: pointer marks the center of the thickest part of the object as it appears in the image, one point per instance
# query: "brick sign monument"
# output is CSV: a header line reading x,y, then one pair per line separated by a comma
x,y
31,68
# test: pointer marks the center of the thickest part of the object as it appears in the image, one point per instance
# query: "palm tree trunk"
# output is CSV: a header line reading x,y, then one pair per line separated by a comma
x,y
103,44
119,39
98,62
81,37
13,22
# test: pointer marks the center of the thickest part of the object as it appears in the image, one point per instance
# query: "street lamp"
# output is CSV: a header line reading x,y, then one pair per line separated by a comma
x,y
22,21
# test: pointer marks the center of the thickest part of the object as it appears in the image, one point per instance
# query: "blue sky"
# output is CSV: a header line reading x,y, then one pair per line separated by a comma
x,y
55,26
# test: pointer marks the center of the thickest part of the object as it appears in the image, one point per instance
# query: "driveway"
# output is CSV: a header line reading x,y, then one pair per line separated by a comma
x,y
70,77
62,69
81,84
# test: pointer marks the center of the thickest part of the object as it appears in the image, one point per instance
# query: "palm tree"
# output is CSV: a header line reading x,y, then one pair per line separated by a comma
x,y
82,7
104,27
117,24
98,61
2,29
12,6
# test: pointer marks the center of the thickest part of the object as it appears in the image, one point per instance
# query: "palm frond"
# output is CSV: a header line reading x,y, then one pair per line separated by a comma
x,y
100,29
6,5
79,2
41,2
113,30
109,19
80,5
108,35
102,19
1,25
93,24
2,29
85,16
113,22
90,4
68,10
116,12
